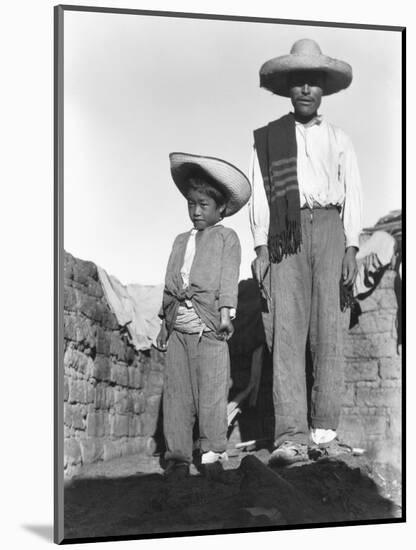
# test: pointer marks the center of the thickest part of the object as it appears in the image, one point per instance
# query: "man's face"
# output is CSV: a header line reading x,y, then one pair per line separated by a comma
x,y
305,88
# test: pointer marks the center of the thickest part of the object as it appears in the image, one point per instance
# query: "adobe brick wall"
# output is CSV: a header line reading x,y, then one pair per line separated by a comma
x,y
371,416
111,393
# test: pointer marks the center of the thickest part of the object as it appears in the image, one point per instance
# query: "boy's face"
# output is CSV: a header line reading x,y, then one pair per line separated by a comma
x,y
203,210
305,88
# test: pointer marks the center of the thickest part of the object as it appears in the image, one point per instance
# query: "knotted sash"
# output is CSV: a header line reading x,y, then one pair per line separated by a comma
x,y
277,154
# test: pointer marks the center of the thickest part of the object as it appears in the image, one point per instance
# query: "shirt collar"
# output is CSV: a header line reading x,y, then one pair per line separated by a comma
x,y
314,122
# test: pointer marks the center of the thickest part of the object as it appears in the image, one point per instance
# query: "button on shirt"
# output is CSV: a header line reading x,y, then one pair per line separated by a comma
x,y
327,175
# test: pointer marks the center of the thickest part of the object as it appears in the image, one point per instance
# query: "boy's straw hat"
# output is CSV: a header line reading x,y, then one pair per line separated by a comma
x,y
229,179
305,55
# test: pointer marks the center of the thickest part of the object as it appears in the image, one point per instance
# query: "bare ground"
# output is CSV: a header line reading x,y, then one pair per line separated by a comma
x,y
129,496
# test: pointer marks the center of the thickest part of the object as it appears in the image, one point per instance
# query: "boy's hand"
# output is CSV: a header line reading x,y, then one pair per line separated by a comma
x,y
162,338
349,266
226,329
261,263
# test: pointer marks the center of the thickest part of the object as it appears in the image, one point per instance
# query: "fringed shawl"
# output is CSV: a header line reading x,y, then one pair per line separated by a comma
x,y
277,153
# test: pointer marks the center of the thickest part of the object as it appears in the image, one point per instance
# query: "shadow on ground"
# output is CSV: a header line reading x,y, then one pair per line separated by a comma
x,y
250,495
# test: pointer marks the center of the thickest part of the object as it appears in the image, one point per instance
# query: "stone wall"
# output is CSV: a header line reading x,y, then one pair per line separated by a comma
x,y
111,393
372,402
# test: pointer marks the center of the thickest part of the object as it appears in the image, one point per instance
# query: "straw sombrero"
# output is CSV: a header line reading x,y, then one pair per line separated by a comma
x,y
230,180
305,55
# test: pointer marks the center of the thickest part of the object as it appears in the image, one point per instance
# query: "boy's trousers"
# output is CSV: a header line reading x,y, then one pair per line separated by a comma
x,y
196,385
305,302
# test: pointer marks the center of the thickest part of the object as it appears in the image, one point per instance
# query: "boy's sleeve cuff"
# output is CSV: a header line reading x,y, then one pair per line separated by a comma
x,y
227,300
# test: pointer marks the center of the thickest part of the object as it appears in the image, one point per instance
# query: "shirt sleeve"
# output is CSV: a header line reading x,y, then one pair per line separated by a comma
x,y
352,213
161,313
259,212
231,259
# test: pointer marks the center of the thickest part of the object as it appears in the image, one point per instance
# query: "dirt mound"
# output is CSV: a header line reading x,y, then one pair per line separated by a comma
x,y
249,495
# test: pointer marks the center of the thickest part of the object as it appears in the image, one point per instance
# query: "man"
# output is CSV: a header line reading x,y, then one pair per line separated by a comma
x,y
305,216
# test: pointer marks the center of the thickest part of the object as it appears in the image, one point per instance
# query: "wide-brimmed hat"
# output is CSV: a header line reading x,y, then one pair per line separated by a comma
x,y
229,179
305,55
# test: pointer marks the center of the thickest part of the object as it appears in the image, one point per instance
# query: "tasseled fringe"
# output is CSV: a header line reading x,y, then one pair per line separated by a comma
x,y
286,243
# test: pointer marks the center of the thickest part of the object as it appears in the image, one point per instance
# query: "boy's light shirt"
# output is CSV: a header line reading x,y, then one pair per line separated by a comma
x,y
327,174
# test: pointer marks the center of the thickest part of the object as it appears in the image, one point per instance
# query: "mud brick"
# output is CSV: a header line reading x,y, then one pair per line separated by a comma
x,y
120,374
103,341
110,397
119,425
91,307
73,416
130,355
150,446
157,358
149,423
70,331
68,413
376,322
78,421
109,320
66,388
153,404
83,271
120,400
70,299
348,397
371,346
135,377
139,403
391,367
91,385
96,424
72,452
69,262
380,397
367,384
95,289
91,450
387,281
390,383
135,426
117,345
375,424
74,359
394,423
78,391
111,450
369,304
102,368
386,298
100,397
361,370
155,382
135,445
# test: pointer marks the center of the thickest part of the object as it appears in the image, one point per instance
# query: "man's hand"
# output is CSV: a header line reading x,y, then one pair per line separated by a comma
x,y
261,263
226,329
162,338
349,266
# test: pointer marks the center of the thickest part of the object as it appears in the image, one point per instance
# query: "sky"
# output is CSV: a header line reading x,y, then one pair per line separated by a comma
x,y
139,87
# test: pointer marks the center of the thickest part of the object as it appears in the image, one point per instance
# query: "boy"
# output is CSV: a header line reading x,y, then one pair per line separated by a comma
x,y
305,218
199,301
